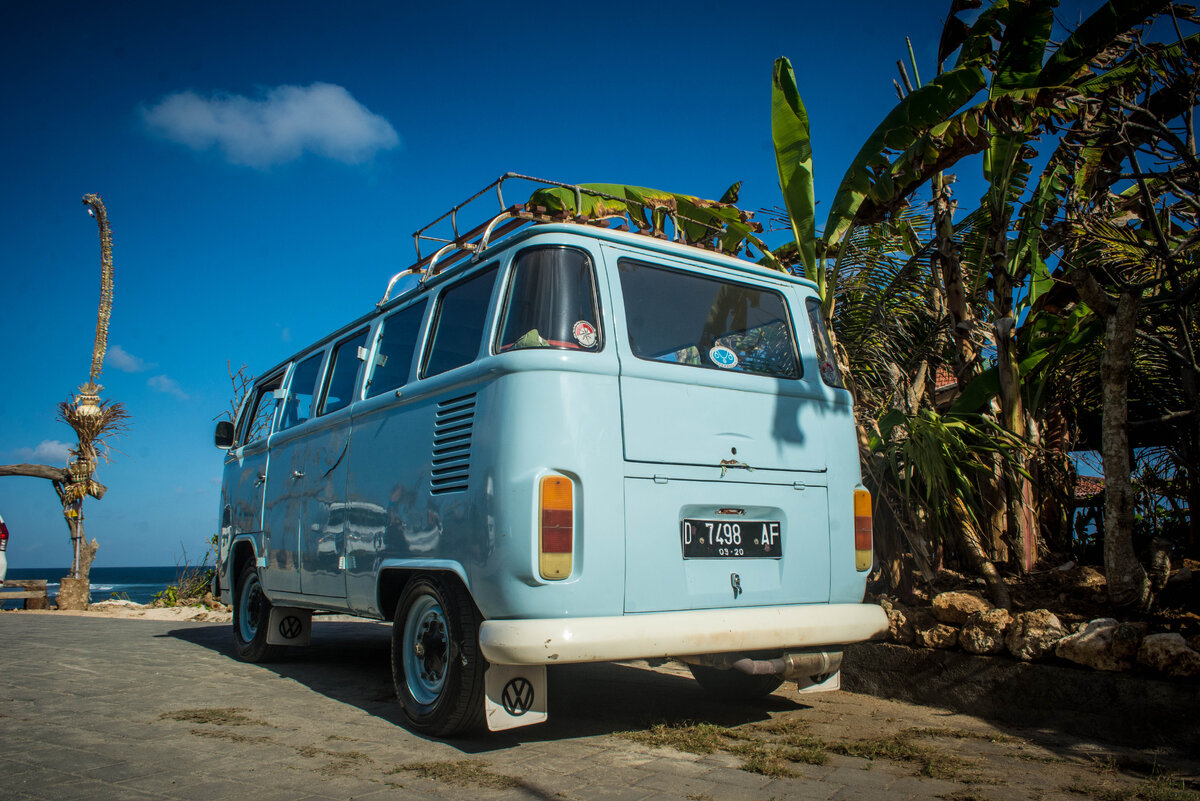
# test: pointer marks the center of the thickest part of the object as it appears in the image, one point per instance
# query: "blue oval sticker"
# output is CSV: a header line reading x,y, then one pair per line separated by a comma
x,y
723,357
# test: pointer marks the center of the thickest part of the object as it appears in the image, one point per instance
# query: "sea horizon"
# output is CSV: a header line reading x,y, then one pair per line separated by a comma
x,y
135,583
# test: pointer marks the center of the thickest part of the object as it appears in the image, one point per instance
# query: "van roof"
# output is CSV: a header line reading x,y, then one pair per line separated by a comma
x,y
514,227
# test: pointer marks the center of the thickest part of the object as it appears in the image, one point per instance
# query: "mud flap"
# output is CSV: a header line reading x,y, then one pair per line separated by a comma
x,y
289,626
516,696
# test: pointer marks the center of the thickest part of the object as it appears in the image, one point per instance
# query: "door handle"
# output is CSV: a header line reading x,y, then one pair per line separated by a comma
x,y
262,477
297,474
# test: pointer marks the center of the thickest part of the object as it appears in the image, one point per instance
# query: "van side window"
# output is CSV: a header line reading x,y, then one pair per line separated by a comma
x,y
339,389
262,412
394,357
690,319
302,391
825,355
458,329
551,302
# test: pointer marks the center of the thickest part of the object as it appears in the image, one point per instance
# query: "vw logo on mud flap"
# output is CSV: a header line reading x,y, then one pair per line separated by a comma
x,y
290,627
517,697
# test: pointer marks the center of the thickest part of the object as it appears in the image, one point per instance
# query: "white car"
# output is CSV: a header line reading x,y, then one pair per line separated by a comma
x,y
3,548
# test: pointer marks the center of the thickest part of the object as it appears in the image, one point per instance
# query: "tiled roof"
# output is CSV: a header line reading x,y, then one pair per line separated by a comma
x,y
1088,486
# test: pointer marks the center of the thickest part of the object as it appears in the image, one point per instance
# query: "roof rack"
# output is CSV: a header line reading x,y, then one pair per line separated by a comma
x,y
458,246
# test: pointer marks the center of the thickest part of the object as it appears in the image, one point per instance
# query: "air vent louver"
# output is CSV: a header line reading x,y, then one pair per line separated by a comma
x,y
452,426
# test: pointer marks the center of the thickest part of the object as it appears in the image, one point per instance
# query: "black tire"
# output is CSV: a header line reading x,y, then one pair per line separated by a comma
x,y
251,617
436,664
734,685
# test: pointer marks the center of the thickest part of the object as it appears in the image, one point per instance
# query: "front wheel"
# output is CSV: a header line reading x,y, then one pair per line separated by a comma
x,y
436,664
734,685
251,618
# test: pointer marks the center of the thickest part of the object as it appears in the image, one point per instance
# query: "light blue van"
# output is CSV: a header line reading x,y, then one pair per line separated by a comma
x,y
559,442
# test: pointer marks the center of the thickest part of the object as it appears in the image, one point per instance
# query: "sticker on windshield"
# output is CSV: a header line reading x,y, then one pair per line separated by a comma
x,y
584,333
723,357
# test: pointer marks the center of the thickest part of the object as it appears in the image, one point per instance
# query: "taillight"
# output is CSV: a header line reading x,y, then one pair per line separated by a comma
x,y
556,534
862,529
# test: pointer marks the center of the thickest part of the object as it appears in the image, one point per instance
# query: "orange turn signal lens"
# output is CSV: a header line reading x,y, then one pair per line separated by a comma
x,y
556,534
863,529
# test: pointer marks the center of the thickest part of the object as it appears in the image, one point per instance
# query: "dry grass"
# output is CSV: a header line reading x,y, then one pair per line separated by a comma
x,y
1156,788
225,716
462,772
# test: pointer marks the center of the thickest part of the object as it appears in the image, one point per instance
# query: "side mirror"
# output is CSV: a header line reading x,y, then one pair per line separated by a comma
x,y
223,438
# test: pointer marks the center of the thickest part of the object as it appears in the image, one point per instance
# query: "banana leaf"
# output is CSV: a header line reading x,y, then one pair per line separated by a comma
x,y
1095,34
1023,45
700,221
793,159
908,120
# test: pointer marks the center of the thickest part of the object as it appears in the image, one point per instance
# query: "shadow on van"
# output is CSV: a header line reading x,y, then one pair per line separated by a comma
x,y
349,662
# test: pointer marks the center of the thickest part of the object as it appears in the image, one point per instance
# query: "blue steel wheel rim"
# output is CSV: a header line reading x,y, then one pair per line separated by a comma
x,y
426,650
249,608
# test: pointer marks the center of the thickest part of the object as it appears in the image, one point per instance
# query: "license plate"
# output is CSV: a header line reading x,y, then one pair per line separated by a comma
x,y
742,539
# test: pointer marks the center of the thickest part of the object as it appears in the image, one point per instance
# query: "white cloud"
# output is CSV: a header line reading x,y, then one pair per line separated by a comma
x,y
125,361
48,451
168,385
279,127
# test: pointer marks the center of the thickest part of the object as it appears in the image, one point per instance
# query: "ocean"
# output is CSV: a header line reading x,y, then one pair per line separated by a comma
x,y
138,584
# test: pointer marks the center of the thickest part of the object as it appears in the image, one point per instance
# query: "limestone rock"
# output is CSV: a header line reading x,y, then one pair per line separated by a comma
x,y
1093,646
954,608
1032,635
929,633
1170,654
983,633
1127,639
900,623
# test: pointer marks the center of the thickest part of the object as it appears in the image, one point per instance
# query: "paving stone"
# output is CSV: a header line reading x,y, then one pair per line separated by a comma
x,y
94,728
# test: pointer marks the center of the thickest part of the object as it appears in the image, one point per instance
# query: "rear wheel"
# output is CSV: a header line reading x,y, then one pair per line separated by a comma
x,y
251,618
734,685
436,664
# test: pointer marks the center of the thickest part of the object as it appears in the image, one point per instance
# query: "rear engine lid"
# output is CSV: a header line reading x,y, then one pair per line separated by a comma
x,y
726,543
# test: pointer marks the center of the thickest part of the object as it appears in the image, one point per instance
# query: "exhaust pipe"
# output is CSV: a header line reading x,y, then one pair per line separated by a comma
x,y
804,668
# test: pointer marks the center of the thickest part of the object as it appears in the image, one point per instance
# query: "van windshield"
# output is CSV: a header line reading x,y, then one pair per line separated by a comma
x,y
688,319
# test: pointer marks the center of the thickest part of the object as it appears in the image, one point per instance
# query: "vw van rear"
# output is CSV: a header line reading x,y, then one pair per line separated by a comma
x,y
558,442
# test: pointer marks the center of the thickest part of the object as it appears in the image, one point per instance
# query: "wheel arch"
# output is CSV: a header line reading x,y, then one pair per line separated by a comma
x,y
242,551
394,575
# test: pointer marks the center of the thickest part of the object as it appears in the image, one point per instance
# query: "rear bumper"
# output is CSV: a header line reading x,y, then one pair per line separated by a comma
x,y
662,634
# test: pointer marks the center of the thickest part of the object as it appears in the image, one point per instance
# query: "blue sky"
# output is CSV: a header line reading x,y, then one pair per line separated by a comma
x,y
264,166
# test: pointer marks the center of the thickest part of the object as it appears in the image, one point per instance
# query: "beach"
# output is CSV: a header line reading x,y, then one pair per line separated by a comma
x,y
128,610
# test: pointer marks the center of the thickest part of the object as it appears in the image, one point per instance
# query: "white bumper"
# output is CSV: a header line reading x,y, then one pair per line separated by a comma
x,y
661,634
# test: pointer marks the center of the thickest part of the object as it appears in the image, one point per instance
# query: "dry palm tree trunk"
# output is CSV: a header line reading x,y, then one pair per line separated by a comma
x,y
1128,583
87,405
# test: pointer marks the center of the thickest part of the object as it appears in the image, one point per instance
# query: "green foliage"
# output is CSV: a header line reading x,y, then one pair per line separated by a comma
x,y
191,582
794,160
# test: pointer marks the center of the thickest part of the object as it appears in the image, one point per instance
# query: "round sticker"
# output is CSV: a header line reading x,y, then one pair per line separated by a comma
x,y
723,357
584,333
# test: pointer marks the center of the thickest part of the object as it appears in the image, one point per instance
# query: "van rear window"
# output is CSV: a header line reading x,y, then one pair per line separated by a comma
x,y
551,302
684,318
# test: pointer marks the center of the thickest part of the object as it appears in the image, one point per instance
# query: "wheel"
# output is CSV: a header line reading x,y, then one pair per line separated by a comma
x,y
734,685
436,663
251,617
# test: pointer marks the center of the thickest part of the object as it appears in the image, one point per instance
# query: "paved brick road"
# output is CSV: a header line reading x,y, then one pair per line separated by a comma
x,y
133,709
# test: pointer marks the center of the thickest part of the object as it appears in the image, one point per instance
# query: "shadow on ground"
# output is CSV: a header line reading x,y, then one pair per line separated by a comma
x,y
349,662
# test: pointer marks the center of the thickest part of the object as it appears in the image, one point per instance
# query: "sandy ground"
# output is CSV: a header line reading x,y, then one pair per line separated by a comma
x,y
130,611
